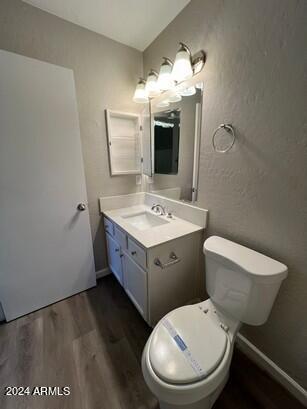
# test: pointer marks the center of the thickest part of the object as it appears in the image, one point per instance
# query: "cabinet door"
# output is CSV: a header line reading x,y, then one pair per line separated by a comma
x,y
136,284
115,258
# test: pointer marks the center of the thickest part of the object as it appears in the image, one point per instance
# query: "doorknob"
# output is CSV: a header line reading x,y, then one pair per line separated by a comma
x,y
81,207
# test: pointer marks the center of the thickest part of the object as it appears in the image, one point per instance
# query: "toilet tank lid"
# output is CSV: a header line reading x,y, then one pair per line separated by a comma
x,y
249,260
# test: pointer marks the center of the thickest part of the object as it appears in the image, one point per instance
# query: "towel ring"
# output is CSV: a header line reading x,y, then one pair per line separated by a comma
x,y
229,129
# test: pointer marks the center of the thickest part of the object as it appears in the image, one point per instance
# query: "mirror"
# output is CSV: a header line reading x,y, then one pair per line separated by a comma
x,y
175,140
166,142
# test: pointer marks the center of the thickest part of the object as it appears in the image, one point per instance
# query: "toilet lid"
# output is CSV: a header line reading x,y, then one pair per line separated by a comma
x,y
186,346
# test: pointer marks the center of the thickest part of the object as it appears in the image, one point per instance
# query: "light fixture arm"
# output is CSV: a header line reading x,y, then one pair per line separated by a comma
x,y
198,61
184,47
167,61
153,72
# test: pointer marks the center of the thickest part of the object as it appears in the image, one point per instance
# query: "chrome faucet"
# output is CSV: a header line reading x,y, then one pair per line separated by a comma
x,y
159,209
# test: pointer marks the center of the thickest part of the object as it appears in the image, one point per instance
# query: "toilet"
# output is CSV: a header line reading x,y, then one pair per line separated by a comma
x,y
186,359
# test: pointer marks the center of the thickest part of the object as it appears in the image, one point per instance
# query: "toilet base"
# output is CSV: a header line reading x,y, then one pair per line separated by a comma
x,y
205,403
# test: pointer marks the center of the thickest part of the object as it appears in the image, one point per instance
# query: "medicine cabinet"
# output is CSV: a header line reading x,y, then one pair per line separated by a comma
x,y
124,142
129,142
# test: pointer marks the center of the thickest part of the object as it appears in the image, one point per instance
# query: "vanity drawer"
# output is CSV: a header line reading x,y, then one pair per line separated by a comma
x,y
120,237
137,253
108,226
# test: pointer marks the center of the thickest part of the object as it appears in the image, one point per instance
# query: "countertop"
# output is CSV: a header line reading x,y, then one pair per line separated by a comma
x,y
173,229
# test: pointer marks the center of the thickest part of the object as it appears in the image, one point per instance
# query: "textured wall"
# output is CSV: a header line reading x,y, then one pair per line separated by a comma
x,y
255,78
105,74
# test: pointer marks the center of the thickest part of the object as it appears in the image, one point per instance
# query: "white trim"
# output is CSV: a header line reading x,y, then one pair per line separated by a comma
x,y
269,366
197,136
102,273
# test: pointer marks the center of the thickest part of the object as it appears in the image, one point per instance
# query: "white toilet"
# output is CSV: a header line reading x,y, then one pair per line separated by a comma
x,y
187,357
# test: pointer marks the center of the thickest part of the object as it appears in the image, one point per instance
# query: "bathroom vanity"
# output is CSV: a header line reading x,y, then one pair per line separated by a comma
x,y
156,258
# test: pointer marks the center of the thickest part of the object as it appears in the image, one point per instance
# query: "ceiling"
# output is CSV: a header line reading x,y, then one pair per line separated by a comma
x,y
132,22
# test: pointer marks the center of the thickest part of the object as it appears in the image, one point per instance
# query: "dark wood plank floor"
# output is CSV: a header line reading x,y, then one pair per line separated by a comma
x,y
93,343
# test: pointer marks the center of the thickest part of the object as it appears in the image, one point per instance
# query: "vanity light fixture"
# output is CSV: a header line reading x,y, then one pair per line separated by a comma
x,y
176,97
170,75
198,62
165,80
199,85
182,69
140,95
163,104
151,87
186,92
164,124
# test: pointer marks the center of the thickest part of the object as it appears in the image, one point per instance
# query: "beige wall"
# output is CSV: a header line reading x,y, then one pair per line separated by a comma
x,y
255,78
105,74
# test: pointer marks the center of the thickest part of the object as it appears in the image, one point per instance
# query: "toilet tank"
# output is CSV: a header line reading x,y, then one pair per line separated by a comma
x,y
242,282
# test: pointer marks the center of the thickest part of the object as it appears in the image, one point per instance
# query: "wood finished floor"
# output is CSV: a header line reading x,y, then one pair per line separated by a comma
x,y
93,343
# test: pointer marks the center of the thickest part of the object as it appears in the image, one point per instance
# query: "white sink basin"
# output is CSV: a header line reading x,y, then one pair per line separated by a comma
x,y
144,220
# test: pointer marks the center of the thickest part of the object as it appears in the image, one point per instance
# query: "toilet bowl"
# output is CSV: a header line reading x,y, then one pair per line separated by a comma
x,y
190,372
186,360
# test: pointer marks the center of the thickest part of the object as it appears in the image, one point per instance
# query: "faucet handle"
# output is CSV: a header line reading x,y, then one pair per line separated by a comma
x,y
169,212
153,207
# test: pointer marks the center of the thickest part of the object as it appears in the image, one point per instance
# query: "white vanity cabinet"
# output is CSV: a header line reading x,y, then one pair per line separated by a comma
x,y
115,258
135,284
157,279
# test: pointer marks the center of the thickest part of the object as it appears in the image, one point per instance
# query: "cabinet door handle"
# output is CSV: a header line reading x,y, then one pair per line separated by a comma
x,y
133,253
173,260
117,250
121,255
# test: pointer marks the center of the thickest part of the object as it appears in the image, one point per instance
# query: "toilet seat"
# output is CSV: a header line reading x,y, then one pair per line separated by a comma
x,y
187,346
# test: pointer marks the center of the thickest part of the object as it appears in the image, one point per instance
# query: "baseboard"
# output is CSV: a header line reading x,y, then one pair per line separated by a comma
x,y
102,273
269,366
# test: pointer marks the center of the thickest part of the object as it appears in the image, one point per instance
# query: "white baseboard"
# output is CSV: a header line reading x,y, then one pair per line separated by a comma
x,y
102,273
269,366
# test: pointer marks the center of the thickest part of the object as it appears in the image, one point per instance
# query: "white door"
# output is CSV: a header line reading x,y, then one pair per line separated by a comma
x,y
136,284
45,242
115,258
